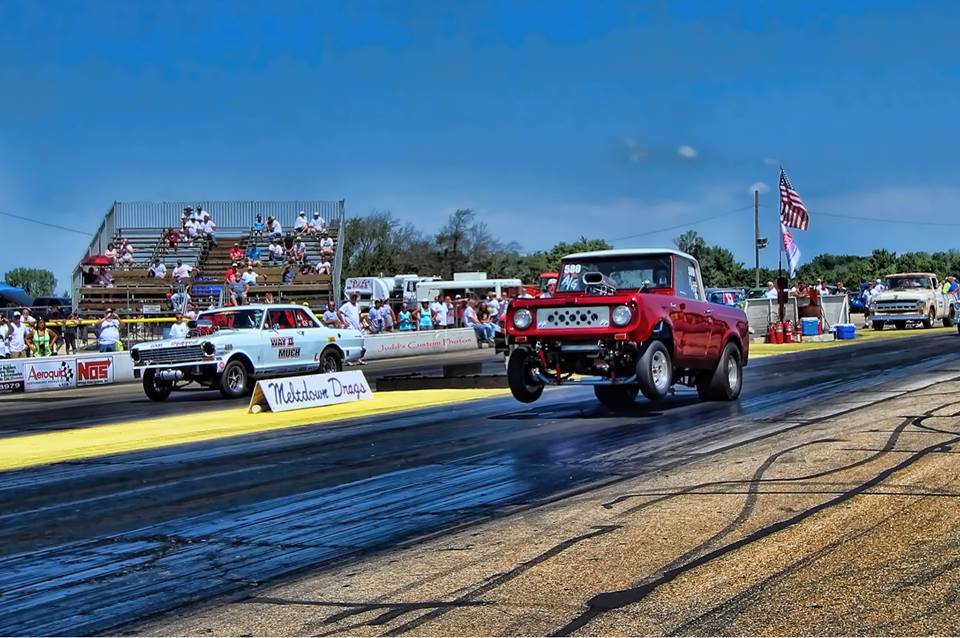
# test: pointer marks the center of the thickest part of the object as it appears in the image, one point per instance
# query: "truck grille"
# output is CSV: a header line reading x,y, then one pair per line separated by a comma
x,y
578,317
897,306
182,354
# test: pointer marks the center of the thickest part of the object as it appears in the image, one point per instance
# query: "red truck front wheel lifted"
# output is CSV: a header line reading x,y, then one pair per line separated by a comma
x,y
655,371
520,369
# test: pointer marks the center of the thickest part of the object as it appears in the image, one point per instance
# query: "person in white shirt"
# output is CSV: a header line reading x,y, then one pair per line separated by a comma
x,y
4,331
493,305
180,329
822,288
276,251
349,313
16,337
316,224
190,228
249,278
182,271
27,318
301,224
326,245
108,332
772,292
209,230
439,310
158,269
274,229
324,267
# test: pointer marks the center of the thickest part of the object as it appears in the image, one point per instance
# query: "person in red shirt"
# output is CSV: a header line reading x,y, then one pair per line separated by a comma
x,y
236,253
171,238
231,276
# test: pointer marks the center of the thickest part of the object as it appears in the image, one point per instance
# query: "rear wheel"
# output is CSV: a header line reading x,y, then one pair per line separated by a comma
x,y
616,396
234,380
520,369
900,325
154,388
330,361
878,325
655,371
726,380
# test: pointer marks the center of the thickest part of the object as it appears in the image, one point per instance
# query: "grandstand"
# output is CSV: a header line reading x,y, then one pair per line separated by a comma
x,y
134,293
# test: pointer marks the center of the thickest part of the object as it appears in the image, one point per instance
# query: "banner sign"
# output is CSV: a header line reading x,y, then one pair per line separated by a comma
x,y
408,344
49,375
310,391
94,371
11,376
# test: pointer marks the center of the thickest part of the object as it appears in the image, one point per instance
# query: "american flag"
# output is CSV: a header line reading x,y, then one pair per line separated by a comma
x,y
792,211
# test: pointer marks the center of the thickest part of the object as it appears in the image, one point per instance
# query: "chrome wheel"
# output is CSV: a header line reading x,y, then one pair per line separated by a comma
x,y
733,374
236,379
659,370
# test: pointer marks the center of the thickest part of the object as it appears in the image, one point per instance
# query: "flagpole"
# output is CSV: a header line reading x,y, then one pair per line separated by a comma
x,y
781,284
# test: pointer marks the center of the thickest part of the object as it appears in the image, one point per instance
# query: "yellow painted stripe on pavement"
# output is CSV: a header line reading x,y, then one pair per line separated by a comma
x,y
30,450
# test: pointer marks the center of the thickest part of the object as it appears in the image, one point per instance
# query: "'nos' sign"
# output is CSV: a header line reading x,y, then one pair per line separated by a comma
x,y
311,391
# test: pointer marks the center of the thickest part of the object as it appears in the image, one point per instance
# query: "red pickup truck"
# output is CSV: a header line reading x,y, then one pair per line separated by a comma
x,y
626,322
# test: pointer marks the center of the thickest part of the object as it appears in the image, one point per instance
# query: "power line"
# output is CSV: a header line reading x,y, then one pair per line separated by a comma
x,y
684,225
48,224
881,220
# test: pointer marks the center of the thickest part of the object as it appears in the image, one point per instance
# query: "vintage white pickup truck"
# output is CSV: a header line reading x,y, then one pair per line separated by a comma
x,y
230,348
912,297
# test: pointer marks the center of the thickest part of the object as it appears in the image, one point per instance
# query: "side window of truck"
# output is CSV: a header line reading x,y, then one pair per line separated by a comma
x,y
688,284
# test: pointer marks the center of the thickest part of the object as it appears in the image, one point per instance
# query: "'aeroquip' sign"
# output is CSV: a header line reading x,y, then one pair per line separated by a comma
x,y
311,391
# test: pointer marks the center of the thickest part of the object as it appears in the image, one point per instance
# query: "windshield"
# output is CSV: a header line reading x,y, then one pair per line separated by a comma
x,y
247,319
627,273
909,283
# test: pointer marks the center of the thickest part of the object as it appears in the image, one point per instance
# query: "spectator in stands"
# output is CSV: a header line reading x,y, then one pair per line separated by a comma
x,y
326,245
288,275
111,254
301,224
275,251
105,279
41,340
236,253
324,267
299,250
258,226
317,224
209,230
254,256
230,277
306,269
179,329
126,254
268,297
158,269
349,313
16,337
89,276
274,229
70,326
180,297
192,230
484,331
249,278
330,317
171,238
424,317
182,271
27,317
190,313
405,319
187,214
439,311
108,332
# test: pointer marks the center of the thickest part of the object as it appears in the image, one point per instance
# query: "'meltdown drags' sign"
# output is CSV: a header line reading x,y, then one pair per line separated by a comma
x,y
311,391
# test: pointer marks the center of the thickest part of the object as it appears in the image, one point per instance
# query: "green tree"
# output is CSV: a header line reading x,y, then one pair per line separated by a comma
x,y
38,282
691,243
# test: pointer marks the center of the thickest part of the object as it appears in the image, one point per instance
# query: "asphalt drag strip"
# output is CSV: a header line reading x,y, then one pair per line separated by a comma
x,y
484,518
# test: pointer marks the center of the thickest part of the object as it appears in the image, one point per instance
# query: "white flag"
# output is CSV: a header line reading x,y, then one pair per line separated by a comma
x,y
790,247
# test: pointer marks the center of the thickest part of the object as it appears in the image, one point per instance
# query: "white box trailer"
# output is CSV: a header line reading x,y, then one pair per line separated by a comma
x,y
428,290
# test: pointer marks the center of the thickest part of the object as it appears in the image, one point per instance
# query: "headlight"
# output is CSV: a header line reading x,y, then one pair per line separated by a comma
x,y
621,316
135,354
208,348
522,319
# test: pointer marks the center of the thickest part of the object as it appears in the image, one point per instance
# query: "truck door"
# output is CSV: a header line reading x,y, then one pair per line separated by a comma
x,y
697,323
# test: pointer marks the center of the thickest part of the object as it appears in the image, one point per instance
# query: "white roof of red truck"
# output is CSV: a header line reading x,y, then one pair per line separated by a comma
x,y
629,252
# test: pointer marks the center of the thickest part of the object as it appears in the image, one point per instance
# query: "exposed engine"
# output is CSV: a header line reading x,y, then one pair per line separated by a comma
x,y
598,284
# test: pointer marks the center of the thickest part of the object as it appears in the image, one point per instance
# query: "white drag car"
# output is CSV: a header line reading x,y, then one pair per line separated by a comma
x,y
230,348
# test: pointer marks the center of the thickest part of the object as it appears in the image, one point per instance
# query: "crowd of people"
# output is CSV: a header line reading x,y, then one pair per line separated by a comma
x,y
25,335
483,314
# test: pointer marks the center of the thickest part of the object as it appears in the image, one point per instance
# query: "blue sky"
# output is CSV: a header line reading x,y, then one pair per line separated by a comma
x,y
551,119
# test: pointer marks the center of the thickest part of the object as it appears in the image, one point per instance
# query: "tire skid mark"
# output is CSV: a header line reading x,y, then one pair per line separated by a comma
x,y
611,600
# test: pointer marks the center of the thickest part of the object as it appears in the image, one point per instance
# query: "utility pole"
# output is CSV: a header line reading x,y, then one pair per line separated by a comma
x,y
756,238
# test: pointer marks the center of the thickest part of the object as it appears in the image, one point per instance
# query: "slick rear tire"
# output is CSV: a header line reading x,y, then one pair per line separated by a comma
x,y
616,396
155,389
330,361
655,371
878,325
234,380
523,388
726,380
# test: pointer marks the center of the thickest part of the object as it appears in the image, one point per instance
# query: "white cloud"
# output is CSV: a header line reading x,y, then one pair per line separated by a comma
x,y
687,152
762,187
